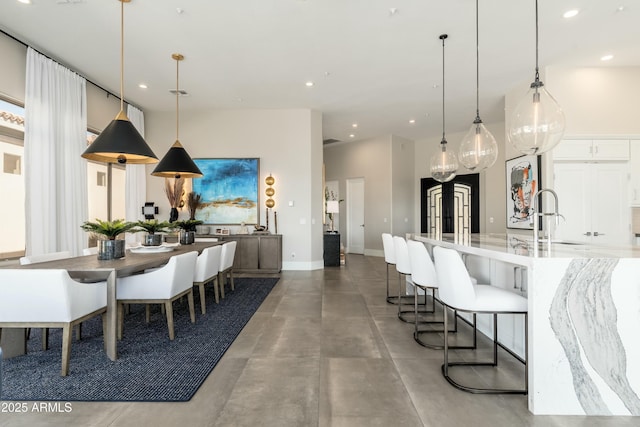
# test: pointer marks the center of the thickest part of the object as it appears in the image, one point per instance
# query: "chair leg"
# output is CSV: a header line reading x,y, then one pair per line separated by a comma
x,y
203,306
147,313
120,320
221,280
67,336
79,331
169,310
401,312
192,310
45,339
104,330
216,290
233,287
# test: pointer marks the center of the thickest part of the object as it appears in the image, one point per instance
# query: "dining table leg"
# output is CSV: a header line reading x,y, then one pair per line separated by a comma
x,y
112,317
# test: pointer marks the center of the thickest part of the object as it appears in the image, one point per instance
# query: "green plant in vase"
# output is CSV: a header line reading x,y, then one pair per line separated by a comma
x,y
153,227
188,230
109,247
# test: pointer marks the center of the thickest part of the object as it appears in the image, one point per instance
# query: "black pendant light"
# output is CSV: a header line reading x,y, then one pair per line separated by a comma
x,y
177,163
120,141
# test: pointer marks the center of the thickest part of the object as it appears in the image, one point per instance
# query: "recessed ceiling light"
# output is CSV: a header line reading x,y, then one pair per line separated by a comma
x,y
621,8
352,136
355,125
608,57
412,121
570,13
309,84
142,86
24,1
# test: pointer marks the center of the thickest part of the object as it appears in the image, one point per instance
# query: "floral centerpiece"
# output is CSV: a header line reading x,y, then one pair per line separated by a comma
x,y
188,230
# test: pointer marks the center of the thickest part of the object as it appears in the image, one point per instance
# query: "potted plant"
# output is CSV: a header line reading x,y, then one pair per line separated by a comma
x,y
152,227
187,230
109,247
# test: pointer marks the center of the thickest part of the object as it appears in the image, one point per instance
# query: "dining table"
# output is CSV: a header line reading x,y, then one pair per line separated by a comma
x,y
89,268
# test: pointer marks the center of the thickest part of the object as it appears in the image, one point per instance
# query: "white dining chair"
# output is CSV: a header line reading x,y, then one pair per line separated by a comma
x,y
161,286
207,268
51,256
34,259
49,298
226,265
457,291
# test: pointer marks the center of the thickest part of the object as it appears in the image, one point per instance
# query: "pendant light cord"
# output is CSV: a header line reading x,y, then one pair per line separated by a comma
x,y
537,73
177,98
121,55
477,69
444,140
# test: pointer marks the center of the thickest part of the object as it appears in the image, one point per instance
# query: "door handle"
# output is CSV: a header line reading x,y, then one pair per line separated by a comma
x,y
361,225
588,233
595,233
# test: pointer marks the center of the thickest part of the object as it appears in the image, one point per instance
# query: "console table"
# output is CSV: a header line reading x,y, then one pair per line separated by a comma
x,y
260,253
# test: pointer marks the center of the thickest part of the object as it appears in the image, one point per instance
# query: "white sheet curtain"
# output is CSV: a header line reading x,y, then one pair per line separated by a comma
x,y
136,180
55,174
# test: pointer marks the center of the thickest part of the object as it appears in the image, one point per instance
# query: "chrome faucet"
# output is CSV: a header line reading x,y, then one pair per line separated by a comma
x,y
537,214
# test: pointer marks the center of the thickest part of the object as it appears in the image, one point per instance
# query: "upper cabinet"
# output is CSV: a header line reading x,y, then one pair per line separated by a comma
x,y
592,150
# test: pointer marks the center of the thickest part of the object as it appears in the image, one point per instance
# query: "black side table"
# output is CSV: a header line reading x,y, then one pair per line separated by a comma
x,y
331,249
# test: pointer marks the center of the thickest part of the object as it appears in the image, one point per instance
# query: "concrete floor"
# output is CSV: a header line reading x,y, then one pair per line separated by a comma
x,y
324,349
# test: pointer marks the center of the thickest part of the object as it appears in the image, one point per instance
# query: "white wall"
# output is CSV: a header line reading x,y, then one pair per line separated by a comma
x,y
289,145
385,163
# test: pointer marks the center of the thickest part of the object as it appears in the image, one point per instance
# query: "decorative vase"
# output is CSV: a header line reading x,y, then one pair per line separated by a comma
x,y
187,237
173,215
111,249
152,240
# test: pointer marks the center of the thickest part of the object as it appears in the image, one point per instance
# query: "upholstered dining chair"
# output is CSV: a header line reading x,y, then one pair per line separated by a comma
x,y
226,265
457,291
33,259
207,268
51,256
161,286
46,298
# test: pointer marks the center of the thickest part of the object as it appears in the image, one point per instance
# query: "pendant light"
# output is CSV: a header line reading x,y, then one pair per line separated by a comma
x,y
177,163
479,149
443,164
120,141
537,122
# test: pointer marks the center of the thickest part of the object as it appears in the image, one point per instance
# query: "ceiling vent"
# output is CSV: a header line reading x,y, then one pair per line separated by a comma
x,y
329,141
179,92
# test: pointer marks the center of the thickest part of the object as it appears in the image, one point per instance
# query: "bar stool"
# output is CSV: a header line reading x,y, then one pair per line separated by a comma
x,y
457,292
403,266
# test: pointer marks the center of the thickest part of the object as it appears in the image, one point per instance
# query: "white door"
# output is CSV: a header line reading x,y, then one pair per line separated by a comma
x,y
355,215
593,199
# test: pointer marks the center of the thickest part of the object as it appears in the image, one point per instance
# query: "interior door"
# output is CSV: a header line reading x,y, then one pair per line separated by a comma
x,y
355,216
593,199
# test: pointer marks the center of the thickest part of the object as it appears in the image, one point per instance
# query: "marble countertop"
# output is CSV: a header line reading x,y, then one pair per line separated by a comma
x,y
519,249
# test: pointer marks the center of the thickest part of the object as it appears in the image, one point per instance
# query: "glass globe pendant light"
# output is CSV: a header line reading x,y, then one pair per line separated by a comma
x,y
537,122
479,149
444,163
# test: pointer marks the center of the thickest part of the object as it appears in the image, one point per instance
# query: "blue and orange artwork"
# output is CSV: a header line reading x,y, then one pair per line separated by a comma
x,y
229,190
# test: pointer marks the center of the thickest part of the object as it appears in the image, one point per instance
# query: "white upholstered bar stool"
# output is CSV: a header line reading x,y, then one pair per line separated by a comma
x,y
457,292
403,266
207,268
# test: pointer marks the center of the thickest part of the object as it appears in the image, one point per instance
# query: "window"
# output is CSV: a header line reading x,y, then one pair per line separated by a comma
x,y
12,189
98,188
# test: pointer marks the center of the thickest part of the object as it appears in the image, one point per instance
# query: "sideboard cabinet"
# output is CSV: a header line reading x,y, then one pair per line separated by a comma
x,y
257,253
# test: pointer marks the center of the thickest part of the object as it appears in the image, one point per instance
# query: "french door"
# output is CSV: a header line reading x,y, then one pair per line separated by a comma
x,y
452,206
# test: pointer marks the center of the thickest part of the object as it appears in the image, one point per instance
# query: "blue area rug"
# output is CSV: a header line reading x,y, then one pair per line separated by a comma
x,y
149,367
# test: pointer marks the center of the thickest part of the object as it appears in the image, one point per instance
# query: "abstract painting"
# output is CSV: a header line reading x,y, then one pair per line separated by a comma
x,y
229,190
523,180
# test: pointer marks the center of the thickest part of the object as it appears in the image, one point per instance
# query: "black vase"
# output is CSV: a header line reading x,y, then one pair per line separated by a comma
x,y
173,215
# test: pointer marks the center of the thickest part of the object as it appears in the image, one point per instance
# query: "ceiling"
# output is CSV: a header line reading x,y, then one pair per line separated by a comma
x,y
377,63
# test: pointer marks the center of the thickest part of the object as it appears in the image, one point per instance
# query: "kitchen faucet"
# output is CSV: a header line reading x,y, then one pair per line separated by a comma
x,y
537,214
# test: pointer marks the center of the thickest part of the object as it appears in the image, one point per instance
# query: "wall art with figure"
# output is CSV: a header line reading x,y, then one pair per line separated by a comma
x,y
523,180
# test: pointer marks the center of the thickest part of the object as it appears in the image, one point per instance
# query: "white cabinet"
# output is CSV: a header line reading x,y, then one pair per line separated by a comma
x,y
592,149
593,198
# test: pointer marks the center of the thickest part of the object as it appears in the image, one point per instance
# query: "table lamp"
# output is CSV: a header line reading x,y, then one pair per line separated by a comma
x,y
333,207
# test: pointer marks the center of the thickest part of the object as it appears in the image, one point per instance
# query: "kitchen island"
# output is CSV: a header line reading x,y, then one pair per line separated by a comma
x,y
584,318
